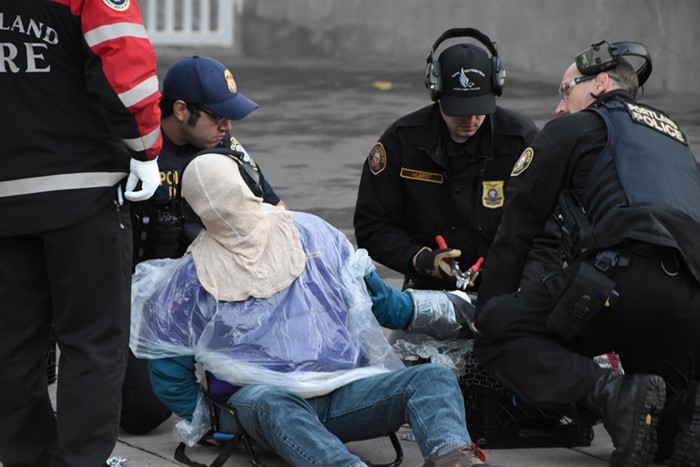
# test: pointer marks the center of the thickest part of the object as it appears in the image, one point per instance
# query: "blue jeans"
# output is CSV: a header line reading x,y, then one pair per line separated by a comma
x,y
311,432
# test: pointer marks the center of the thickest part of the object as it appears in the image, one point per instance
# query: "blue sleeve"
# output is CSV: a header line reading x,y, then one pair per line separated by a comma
x,y
175,383
392,308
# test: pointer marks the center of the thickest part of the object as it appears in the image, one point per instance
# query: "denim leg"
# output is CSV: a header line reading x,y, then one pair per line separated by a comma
x,y
426,396
287,424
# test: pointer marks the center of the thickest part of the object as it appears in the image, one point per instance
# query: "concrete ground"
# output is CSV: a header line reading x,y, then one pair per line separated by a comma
x,y
311,135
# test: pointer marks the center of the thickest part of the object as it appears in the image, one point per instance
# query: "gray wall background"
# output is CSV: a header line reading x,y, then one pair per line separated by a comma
x,y
536,39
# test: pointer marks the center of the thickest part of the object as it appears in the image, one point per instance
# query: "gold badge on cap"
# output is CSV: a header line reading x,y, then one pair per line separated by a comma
x,y
523,162
492,194
231,82
377,158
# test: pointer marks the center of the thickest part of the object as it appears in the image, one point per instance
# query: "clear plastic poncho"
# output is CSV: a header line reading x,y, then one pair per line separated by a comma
x,y
311,338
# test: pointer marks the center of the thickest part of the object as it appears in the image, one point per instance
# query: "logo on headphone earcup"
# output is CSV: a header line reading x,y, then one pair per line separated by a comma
x,y
595,59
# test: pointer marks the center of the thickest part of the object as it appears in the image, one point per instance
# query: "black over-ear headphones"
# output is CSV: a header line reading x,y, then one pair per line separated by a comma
x,y
250,174
433,80
603,56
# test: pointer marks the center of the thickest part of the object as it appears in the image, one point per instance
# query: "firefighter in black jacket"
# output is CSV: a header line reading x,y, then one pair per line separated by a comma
x,y
622,181
80,129
442,169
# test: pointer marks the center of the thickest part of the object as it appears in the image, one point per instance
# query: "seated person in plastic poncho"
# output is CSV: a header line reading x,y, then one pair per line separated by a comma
x,y
283,313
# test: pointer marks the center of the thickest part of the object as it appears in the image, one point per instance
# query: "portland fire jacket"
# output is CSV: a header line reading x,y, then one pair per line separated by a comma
x,y
79,88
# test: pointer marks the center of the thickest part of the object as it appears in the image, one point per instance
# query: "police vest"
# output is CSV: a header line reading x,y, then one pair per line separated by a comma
x,y
646,162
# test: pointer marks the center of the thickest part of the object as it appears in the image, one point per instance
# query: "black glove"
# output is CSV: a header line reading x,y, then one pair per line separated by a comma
x,y
436,263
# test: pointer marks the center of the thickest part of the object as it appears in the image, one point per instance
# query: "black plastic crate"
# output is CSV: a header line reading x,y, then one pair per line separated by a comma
x,y
501,420
51,362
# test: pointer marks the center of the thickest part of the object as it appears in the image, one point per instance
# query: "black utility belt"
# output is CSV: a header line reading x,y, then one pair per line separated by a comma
x,y
620,256
636,247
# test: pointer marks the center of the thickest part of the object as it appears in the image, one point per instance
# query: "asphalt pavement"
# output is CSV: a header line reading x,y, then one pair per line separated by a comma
x,y
316,123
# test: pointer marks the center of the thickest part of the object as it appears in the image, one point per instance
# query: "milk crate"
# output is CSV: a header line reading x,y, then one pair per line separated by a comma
x,y
494,414
501,420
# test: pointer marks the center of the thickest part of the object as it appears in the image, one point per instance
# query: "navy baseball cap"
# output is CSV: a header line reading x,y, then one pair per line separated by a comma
x,y
207,82
467,81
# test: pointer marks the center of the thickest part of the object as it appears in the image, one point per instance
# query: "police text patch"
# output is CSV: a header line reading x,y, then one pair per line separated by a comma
x,y
421,176
523,162
655,120
377,158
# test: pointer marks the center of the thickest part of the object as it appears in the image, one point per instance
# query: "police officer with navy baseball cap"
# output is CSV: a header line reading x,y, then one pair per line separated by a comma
x,y
207,82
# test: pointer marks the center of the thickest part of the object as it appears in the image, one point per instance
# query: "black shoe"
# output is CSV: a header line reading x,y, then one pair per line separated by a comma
x,y
629,407
686,445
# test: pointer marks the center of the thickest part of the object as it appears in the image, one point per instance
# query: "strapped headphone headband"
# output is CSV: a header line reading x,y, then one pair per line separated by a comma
x,y
250,175
433,78
603,56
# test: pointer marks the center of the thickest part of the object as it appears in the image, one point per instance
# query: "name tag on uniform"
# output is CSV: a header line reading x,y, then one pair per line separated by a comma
x,y
421,176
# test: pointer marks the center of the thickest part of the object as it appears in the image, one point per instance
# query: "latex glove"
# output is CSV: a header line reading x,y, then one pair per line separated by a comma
x,y
436,263
148,173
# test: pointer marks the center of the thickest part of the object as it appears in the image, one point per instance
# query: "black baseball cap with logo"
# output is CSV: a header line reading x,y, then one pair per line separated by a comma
x,y
467,81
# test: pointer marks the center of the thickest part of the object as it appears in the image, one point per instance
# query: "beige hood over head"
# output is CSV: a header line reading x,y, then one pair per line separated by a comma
x,y
248,248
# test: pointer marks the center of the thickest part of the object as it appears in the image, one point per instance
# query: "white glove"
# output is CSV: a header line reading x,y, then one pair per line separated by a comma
x,y
148,173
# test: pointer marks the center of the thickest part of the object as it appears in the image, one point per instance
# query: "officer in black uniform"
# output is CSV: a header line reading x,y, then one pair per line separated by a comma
x,y
442,169
624,186
200,98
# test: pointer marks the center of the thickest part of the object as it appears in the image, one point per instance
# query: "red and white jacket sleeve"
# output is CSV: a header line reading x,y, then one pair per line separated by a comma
x,y
122,71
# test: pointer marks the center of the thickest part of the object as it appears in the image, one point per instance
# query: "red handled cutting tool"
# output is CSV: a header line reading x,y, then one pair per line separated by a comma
x,y
466,278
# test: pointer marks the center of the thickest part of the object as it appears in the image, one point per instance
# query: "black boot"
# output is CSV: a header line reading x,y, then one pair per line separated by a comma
x,y
686,444
629,407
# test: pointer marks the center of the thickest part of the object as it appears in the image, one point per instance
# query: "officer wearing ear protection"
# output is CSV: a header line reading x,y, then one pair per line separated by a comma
x,y
200,98
622,181
443,169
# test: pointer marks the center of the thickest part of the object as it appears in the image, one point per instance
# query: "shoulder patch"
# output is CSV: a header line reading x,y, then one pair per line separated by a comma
x,y
235,145
523,162
377,158
233,142
492,194
118,5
